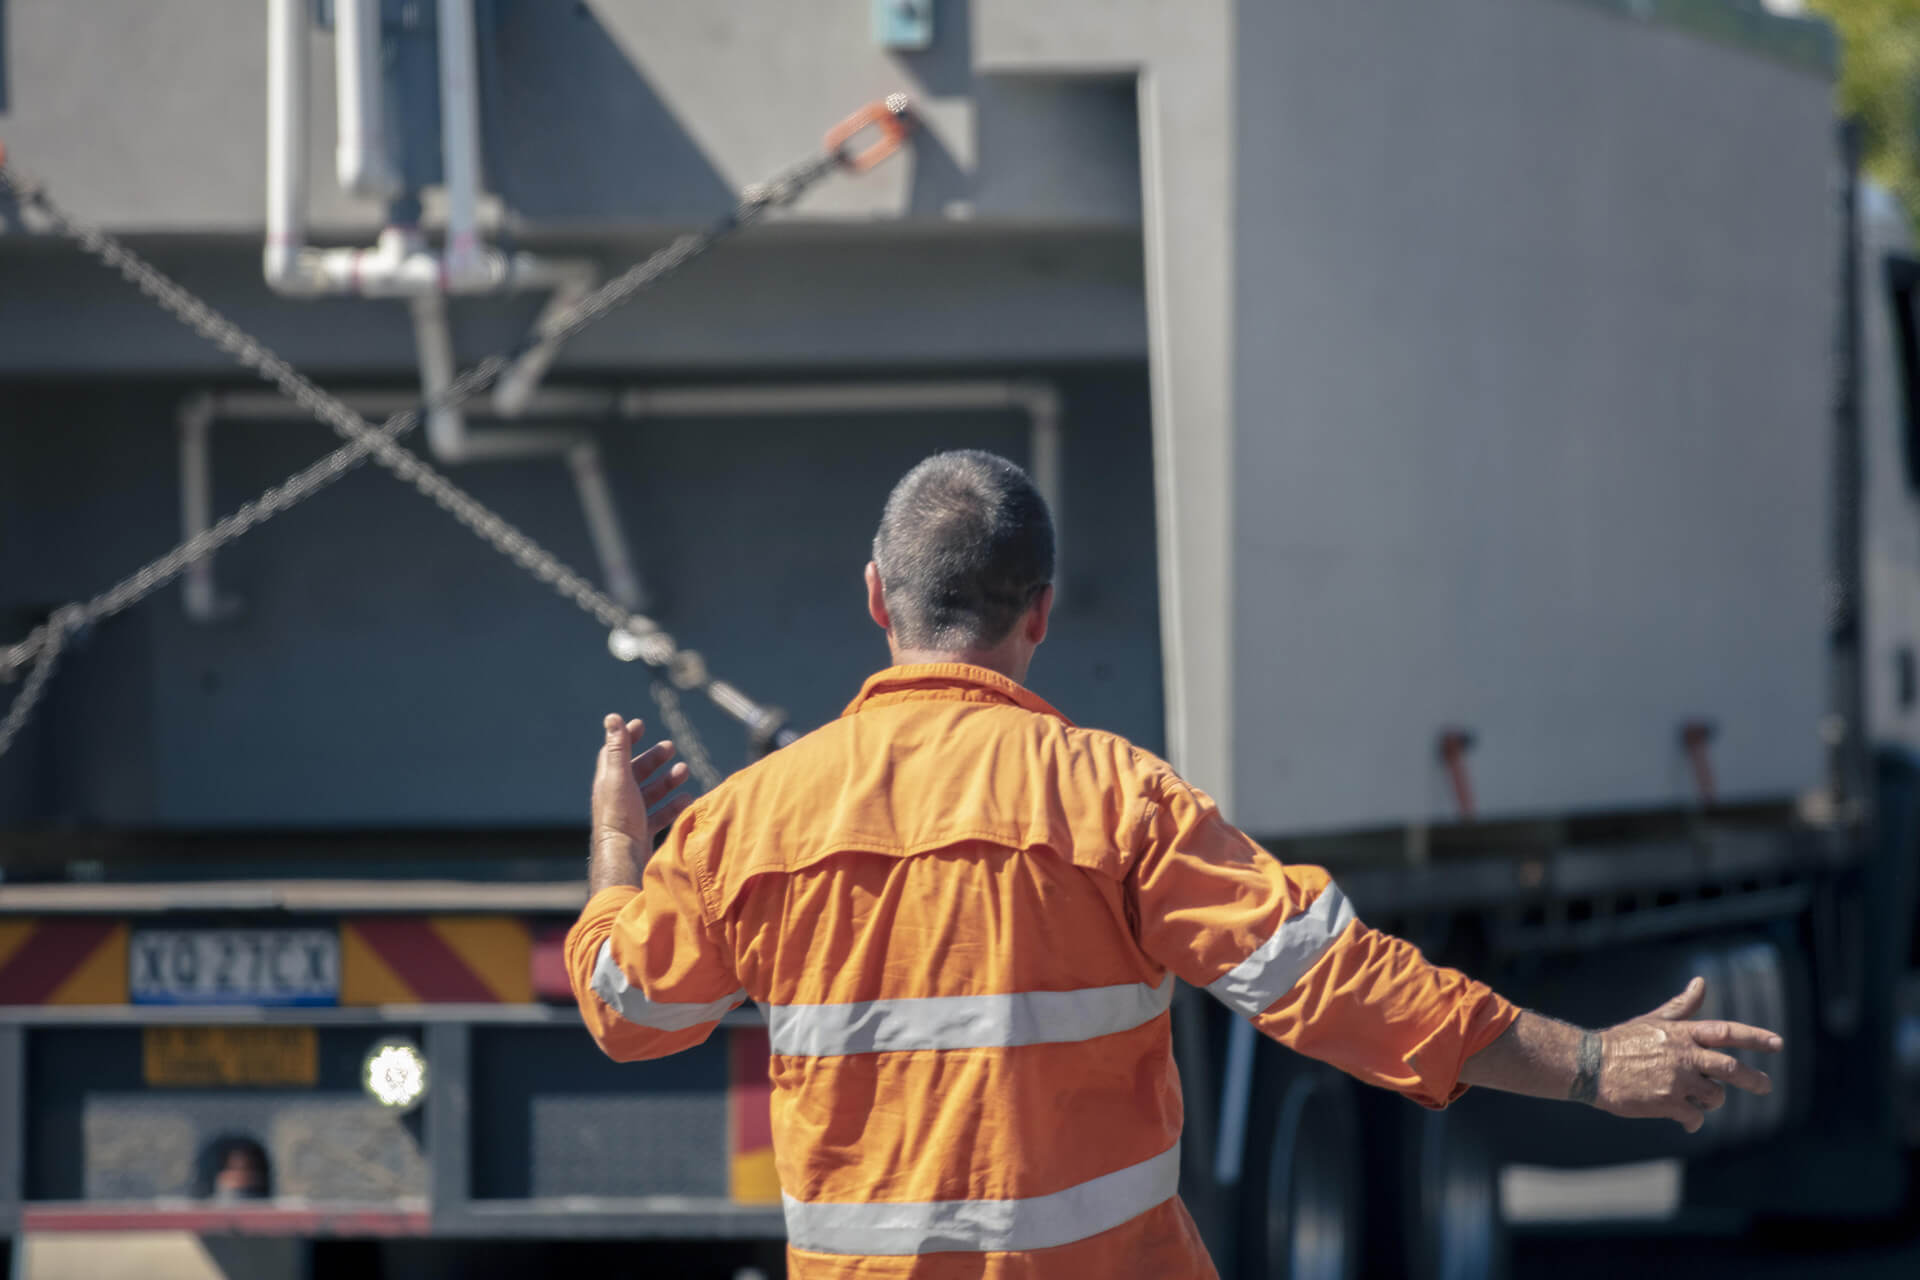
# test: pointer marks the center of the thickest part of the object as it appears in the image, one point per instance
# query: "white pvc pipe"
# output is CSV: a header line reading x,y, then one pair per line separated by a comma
x,y
381,404
1037,400
459,134
381,273
1045,449
821,397
526,272
603,525
286,140
451,441
517,384
400,265
1043,406
433,339
447,434
360,160
196,503
453,444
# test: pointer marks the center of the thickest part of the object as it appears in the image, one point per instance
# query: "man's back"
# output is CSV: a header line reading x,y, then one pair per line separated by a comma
x,y
953,907
970,1051
959,1013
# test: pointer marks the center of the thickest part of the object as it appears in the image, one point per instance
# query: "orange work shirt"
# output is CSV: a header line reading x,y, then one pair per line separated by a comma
x,y
962,916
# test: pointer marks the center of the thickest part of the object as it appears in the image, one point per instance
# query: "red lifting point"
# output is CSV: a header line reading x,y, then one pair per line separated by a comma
x,y
1695,735
1454,745
891,117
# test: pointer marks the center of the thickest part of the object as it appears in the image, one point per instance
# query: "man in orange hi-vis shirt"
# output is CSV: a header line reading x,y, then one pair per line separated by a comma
x,y
963,916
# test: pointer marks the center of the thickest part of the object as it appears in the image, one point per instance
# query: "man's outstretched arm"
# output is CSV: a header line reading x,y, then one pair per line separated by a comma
x,y
1660,1066
1281,946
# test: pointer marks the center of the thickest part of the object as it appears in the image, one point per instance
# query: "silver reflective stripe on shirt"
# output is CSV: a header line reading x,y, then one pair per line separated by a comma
x,y
964,1022
1282,960
627,1000
986,1226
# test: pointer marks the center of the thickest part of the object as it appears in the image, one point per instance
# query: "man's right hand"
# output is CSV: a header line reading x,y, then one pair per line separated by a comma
x,y
634,799
1664,1065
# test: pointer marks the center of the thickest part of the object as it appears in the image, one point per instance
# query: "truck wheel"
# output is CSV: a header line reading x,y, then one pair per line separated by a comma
x,y
1302,1218
1452,1200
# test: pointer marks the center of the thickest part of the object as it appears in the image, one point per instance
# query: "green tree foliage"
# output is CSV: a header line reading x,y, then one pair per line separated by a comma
x,y
1880,87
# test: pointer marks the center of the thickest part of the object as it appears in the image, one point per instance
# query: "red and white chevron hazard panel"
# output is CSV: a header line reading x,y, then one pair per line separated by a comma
x,y
63,960
751,1177
435,960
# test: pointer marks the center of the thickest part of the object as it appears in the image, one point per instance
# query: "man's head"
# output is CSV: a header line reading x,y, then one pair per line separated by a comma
x,y
963,562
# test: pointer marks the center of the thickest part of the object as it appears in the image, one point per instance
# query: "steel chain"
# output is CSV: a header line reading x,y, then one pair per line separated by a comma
x,y
36,685
44,643
680,729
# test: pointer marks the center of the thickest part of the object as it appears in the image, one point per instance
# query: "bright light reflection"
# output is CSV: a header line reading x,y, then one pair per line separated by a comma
x,y
396,1074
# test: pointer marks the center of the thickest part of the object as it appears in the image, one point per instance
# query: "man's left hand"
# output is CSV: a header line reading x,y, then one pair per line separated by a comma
x,y
634,799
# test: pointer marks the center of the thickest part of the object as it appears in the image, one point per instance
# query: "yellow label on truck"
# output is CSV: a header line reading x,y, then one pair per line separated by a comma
x,y
186,1056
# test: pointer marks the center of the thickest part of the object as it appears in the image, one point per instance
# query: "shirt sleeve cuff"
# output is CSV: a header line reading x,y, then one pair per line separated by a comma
x,y
609,902
1480,1022
596,922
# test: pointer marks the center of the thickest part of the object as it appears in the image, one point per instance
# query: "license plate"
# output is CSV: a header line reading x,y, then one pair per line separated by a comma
x,y
234,966
198,1056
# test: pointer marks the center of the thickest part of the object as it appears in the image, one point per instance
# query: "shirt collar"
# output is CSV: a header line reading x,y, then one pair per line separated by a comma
x,y
947,682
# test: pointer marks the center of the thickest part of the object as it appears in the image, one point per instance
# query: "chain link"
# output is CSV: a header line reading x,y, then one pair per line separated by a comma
x,y
56,629
43,644
680,729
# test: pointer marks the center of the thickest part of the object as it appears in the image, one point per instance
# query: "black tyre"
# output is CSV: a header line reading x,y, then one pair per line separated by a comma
x,y
1450,1200
1301,1195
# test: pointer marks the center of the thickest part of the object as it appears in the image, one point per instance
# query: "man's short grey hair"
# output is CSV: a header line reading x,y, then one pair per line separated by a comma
x,y
965,547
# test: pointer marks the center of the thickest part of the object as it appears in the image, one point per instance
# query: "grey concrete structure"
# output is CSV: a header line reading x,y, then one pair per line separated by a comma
x,y
1425,367
1531,411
